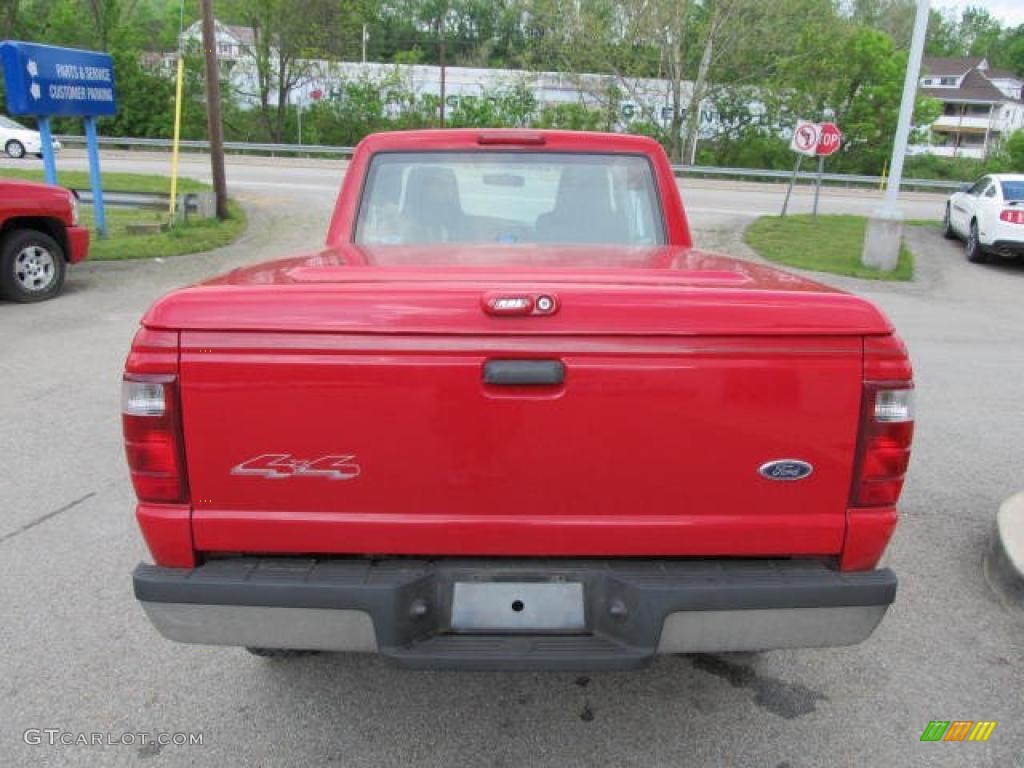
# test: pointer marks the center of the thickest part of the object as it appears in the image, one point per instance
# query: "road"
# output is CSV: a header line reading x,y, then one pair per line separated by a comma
x,y
79,655
713,202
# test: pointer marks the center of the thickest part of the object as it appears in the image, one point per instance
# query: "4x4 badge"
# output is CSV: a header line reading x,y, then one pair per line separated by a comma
x,y
280,466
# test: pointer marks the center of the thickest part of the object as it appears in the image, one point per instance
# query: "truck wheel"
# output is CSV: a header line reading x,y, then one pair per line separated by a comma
x,y
947,227
32,266
975,252
15,149
280,653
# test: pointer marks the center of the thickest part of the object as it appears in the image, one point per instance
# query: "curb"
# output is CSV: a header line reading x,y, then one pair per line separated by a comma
x,y
1004,562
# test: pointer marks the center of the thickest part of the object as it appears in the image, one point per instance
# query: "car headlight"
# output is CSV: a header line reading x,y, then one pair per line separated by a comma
x,y
73,199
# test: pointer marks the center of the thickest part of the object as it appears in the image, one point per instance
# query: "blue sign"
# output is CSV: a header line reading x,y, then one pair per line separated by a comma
x,y
48,81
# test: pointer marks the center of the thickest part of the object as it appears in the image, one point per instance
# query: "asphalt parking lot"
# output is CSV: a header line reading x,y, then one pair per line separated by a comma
x,y
79,655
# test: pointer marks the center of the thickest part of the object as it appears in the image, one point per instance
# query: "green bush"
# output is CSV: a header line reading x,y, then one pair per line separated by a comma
x,y
1014,148
507,108
953,168
749,148
572,116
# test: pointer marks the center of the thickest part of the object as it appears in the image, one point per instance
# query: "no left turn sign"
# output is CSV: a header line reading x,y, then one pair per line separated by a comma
x,y
805,138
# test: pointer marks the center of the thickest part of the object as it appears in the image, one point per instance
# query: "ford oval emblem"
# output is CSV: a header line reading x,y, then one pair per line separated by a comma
x,y
786,469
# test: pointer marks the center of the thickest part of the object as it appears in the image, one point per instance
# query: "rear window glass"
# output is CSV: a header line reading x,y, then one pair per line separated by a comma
x,y
1013,190
509,198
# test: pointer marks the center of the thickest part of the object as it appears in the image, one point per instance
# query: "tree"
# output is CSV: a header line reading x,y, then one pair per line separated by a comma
x,y
287,37
980,33
145,99
943,37
975,33
1014,148
893,17
9,19
1011,51
110,18
852,75
682,41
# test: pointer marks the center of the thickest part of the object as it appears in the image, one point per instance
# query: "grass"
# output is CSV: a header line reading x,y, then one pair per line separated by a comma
x,y
196,236
823,244
113,182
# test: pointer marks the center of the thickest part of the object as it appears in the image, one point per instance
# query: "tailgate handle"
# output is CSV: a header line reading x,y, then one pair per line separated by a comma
x,y
524,372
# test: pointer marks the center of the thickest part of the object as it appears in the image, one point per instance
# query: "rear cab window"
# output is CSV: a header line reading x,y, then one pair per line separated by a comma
x,y
510,198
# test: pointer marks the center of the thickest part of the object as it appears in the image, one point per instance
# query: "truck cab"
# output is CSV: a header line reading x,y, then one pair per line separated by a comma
x,y
40,236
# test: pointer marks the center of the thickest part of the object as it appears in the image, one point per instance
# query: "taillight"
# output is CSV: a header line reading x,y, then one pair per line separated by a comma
x,y
887,429
1012,216
152,436
887,424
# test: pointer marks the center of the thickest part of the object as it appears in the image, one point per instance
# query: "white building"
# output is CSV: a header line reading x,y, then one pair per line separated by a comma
x,y
645,99
233,43
980,105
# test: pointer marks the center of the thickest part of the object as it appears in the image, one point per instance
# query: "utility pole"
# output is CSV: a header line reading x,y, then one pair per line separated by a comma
x,y
441,34
215,128
884,234
364,43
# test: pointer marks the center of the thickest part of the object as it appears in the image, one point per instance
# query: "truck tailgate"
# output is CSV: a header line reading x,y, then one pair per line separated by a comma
x,y
304,442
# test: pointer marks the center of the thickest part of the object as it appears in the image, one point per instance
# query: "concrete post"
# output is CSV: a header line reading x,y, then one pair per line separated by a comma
x,y
884,234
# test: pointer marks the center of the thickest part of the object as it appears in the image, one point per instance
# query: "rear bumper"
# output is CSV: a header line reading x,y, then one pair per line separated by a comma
x,y
1015,247
78,244
634,609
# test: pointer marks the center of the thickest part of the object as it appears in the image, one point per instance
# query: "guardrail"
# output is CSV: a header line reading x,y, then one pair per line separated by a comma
x,y
849,179
230,146
702,171
189,203
127,199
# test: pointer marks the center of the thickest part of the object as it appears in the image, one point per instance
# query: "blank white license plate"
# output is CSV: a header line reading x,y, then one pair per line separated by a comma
x,y
513,606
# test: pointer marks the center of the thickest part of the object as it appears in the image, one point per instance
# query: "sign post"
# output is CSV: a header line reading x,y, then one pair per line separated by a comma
x,y
46,139
45,81
95,179
804,143
829,140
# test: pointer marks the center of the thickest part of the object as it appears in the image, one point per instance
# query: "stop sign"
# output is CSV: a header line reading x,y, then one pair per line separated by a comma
x,y
829,139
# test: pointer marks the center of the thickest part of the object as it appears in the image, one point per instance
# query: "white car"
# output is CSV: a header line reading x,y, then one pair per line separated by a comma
x,y
18,141
989,216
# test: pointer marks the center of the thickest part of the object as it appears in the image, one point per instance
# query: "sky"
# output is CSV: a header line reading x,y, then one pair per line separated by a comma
x,y
1010,12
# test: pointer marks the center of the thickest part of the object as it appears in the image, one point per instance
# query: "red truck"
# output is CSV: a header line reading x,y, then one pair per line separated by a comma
x,y
39,236
509,417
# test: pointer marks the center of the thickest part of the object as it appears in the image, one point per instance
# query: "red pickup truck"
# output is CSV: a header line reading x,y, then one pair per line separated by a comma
x,y
39,237
509,417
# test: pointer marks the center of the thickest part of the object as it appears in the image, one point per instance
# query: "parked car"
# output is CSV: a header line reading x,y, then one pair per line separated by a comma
x,y
18,141
39,236
509,417
989,216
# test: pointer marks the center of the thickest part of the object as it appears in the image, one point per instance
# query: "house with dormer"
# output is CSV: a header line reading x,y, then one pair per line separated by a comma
x,y
981,105
233,42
